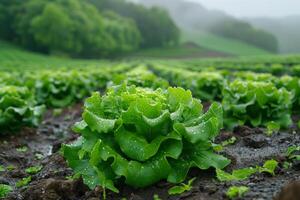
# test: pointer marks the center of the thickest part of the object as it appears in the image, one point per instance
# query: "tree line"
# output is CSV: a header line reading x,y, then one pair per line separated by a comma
x,y
246,32
91,28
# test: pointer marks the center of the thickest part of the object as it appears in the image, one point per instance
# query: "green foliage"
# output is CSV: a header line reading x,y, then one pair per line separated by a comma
x,y
277,69
225,45
242,174
256,64
292,84
220,147
60,89
236,175
7,78
2,169
4,190
34,169
156,197
272,127
71,27
256,104
268,167
23,182
181,188
7,13
293,152
155,25
141,77
204,85
245,32
252,76
18,108
10,167
161,134
236,191
57,112
125,34
22,149
295,70
230,141
39,156
78,29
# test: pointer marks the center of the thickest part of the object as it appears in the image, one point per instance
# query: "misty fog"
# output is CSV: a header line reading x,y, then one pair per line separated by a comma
x,y
280,18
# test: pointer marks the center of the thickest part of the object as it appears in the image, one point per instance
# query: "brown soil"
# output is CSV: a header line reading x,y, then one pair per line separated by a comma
x,y
51,183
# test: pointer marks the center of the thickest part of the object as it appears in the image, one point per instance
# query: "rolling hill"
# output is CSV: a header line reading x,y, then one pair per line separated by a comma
x,y
221,44
13,57
196,21
286,29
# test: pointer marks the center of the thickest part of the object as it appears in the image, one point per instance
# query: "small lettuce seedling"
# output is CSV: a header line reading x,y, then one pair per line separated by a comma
x,y
242,174
236,191
220,147
4,190
268,167
179,189
39,156
236,175
2,169
291,153
272,127
10,167
23,182
156,197
22,149
34,169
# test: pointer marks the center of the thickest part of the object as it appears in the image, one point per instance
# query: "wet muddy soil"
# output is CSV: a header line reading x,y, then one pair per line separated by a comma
x,y
40,147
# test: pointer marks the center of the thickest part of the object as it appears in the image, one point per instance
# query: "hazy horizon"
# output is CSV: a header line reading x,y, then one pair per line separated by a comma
x,y
254,8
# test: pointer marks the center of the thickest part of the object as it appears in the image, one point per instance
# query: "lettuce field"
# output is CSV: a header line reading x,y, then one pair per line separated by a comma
x,y
150,129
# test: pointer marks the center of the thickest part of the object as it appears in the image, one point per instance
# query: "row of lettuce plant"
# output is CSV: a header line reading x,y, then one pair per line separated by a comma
x,y
248,98
24,96
140,76
61,88
162,133
204,85
58,89
256,104
276,66
18,108
290,83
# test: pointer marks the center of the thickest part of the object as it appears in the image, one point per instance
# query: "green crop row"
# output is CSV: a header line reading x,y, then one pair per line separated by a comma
x,y
24,95
278,65
257,99
62,88
247,97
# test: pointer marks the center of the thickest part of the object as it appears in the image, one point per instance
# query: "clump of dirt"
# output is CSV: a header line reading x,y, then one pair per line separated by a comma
x,y
289,192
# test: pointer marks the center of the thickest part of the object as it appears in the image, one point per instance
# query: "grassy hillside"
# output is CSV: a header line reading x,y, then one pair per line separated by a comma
x,y
286,29
186,50
221,44
13,57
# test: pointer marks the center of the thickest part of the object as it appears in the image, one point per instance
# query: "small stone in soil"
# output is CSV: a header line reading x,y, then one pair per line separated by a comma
x,y
255,141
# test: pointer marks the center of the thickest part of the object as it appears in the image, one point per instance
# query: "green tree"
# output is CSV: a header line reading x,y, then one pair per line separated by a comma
x,y
72,27
155,25
245,32
54,29
124,32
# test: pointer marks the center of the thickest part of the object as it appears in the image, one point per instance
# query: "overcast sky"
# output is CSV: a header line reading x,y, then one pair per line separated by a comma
x,y
254,8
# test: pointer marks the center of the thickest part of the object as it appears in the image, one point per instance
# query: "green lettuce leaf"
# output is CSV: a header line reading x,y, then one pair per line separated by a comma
x,y
141,136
